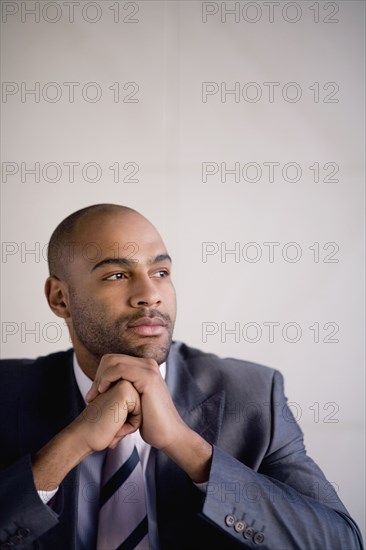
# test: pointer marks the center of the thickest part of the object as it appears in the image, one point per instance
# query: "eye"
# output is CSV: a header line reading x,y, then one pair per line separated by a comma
x,y
116,276
162,273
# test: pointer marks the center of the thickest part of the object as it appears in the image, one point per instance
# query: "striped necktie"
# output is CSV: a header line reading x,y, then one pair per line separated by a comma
x,y
122,515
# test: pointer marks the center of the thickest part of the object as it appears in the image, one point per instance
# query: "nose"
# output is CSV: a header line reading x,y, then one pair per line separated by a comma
x,y
145,292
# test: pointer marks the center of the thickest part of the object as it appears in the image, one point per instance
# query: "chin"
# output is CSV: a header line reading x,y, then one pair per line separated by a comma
x,y
158,352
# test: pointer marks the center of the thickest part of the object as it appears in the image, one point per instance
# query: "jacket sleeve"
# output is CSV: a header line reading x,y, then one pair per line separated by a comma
x,y
287,504
24,517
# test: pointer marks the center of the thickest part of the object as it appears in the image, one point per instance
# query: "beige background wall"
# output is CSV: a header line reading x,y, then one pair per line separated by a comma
x,y
145,87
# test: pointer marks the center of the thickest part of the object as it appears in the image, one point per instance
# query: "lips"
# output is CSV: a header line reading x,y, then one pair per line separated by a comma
x,y
148,326
150,321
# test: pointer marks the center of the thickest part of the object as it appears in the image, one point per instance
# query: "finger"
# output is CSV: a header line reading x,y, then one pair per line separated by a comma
x,y
106,383
92,393
126,430
138,375
113,444
112,361
113,374
120,367
102,383
132,369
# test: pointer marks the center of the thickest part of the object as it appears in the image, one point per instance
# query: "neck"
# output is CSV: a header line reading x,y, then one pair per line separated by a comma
x,y
88,363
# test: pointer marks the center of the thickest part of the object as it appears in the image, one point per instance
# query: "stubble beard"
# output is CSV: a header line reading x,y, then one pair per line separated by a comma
x,y
99,335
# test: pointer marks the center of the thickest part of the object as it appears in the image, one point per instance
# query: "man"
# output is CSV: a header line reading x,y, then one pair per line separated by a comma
x,y
210,480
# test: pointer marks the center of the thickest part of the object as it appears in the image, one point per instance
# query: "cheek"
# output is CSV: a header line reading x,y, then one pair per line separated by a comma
x,y
172,300
112,293
85,305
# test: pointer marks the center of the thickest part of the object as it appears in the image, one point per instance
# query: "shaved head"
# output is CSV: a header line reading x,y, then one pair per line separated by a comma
x,y
64,237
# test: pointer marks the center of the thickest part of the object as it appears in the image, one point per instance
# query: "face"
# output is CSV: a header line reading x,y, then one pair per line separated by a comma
x,y
121,297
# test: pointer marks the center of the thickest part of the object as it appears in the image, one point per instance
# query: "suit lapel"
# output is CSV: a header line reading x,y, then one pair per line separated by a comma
x,y
44,415
200,409
69,488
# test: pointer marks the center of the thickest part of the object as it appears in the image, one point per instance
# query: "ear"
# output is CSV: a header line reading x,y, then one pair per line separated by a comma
x,y
57,297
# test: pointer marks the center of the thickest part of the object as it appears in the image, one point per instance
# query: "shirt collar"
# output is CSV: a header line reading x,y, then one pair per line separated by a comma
x,y
84,382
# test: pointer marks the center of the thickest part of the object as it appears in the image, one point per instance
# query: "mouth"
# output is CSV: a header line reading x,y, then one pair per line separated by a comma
x,y
148,326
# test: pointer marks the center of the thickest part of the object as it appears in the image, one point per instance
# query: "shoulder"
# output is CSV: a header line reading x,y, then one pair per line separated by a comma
x,y
195,358
58,357
54,362
227,371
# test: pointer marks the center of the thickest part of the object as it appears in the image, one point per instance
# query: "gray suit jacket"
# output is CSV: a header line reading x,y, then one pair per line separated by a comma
x,y
263,491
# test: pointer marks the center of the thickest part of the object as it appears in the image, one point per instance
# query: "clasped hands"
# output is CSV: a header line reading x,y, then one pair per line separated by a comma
x,y
129,393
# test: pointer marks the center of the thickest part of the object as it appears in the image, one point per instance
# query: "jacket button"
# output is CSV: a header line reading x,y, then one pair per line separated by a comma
x,y
240,526
23,532
230,520
248,533
15,539
258,538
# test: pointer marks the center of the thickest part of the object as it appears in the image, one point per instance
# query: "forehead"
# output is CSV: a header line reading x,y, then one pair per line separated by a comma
x,y
116,234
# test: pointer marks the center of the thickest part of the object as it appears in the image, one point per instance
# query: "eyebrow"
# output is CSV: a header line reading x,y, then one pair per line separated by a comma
x,y
131,261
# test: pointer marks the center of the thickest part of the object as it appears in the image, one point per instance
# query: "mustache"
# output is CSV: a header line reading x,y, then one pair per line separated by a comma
x,y
151,313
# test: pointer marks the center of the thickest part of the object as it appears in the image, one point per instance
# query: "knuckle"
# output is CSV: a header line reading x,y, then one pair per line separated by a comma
x,y
123,386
